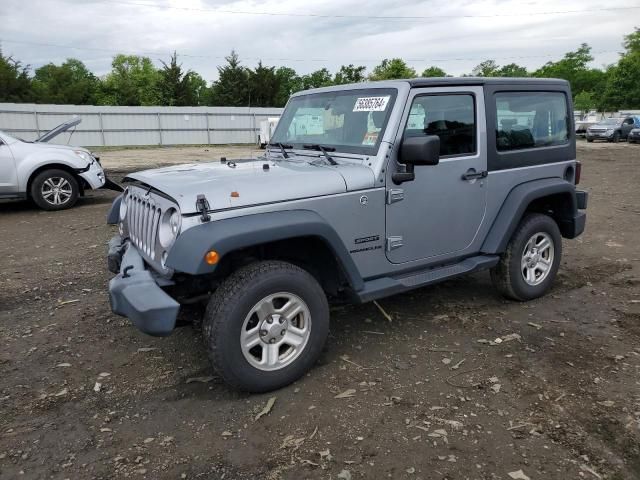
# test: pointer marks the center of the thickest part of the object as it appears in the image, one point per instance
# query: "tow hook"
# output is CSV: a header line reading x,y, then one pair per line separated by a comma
x,y
125,271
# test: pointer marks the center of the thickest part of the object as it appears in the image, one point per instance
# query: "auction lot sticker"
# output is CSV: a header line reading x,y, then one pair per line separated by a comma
x,y
371,104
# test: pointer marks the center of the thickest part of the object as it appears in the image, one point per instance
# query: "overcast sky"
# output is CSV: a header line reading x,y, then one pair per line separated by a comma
x,y
336,32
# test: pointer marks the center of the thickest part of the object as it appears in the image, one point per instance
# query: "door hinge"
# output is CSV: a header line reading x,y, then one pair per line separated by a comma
x,y
394,195
393,243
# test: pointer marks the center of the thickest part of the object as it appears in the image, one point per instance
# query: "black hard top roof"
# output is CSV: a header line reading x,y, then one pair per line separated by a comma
x,y
452,81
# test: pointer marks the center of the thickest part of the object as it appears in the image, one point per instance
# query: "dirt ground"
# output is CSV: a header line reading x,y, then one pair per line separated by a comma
x,y
459,385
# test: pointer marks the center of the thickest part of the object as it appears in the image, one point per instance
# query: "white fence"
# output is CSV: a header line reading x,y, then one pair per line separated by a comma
x,y
118,126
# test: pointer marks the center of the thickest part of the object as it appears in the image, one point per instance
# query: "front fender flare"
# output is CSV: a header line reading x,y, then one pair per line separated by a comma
x,y
113,216
516,204
224,236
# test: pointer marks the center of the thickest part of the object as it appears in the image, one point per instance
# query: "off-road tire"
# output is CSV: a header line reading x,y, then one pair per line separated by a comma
x,y
234,299
36,193
507,275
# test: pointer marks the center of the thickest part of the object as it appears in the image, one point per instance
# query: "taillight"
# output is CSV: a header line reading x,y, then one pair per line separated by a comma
x,y
578,173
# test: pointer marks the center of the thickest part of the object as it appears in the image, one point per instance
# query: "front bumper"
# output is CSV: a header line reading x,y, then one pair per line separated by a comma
x,y
134,292
94,176
601,135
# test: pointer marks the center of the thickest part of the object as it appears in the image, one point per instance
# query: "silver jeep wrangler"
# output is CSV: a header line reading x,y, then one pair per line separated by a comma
x,y
364,191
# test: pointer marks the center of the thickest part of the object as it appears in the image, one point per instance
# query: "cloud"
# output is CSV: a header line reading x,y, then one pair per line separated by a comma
x,y
52,30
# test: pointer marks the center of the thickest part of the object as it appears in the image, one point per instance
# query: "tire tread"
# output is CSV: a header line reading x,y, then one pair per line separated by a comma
x,y
36,185
501,274
222,303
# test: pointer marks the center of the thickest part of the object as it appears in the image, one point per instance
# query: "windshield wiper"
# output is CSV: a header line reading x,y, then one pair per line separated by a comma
x,y
324,151
282,147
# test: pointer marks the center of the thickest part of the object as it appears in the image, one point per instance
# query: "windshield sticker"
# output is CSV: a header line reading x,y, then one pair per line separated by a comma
x,y
370,138
371,104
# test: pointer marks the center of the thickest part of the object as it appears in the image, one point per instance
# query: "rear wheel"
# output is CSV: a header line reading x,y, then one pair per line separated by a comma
x,y
616,137
266,325
54,190
590,140
529,265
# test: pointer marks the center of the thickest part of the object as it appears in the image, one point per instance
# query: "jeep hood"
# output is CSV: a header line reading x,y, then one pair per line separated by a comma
x,y
250,183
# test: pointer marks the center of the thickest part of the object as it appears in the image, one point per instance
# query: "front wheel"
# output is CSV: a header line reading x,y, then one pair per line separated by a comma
x,y
529,265
54,190
266,325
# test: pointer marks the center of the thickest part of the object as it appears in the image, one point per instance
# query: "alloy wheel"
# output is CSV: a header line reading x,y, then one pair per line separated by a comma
x,y
276,331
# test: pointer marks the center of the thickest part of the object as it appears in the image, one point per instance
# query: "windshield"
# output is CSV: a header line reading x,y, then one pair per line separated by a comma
x,y
350,121
611,121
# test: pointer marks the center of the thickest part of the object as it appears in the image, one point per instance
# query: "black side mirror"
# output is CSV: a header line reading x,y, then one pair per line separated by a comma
x,y
420,150
416,151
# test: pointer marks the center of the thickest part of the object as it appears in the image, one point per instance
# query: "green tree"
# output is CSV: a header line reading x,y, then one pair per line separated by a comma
x,y
69,83
623,87
433,72
15,84
177,87
198,88
289,82
512,70
263,86
390,69
349,74
232,87
632,41
317,79
488,68
584,101
574,67
133,81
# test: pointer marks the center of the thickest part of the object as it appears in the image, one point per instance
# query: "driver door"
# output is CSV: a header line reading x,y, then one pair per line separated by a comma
x,y
437,215
8,176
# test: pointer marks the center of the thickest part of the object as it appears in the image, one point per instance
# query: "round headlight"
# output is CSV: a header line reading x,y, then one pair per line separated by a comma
x,y
123,205
174,222
169,227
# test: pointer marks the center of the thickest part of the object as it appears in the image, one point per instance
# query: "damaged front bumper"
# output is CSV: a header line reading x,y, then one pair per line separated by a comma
x,y
135,292
94,175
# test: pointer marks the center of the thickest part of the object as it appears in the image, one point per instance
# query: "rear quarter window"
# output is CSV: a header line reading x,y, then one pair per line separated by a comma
x,y
526,120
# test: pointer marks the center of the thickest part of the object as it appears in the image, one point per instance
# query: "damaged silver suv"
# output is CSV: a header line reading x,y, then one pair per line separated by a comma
x,y
365,191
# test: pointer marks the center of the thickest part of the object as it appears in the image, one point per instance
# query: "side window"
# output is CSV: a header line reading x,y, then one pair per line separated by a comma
x,y
450,117
530,120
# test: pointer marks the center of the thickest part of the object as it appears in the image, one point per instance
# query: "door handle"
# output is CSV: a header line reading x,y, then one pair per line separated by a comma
x,y
471,174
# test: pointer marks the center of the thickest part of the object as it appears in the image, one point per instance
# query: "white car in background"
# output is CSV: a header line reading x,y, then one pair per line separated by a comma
x,y
53,176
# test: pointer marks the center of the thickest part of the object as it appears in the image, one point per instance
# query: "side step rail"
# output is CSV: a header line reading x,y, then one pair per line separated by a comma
x,y
383,287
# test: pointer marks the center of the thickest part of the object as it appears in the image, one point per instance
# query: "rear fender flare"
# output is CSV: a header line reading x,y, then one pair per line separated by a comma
x,y
515,205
